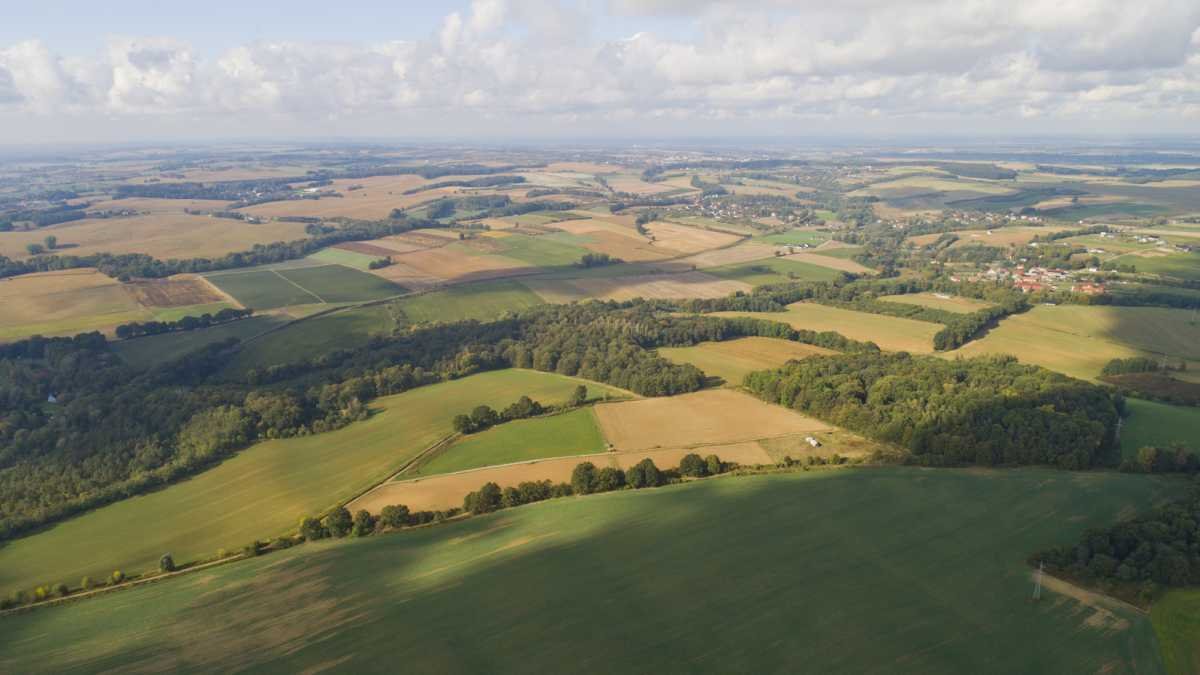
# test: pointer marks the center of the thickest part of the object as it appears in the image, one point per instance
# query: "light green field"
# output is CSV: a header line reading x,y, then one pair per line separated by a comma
x,y
345,329
774,271
1176,619
340,256
473,301
264,490
852,571
953,303
1181,265
547,250
262,289
155,349
732,360
711,224
889,332
1078,340
796,237
571,433
1160,425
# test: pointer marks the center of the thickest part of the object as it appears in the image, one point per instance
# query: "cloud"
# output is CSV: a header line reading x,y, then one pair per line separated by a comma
x,y
538,60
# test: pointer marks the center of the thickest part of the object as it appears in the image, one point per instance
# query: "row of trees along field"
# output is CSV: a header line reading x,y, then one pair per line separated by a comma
x,y
986,411
141,328
125,266
116,431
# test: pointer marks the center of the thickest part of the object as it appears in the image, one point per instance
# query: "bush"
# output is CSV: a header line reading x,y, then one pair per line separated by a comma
x,y
166,563
693,465
364,523
61,590
644,474
253,549
583,478
339,522
85,583
394,516
116,577
610,479
714,465
486,500
311,529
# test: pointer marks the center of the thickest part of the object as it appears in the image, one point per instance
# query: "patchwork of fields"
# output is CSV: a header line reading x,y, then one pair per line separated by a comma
x,y
272,288
934,578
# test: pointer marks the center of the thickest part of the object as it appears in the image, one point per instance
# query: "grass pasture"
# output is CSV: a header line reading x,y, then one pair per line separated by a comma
x,y
262,289
265,489
475,301
271,288
1176,620
889,332
344,329
951,303
1078,340
774,271
570,433
732,360
1158,424
933,580
152,350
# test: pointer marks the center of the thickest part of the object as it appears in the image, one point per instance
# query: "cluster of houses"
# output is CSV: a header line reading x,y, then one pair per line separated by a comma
x,y
1035,279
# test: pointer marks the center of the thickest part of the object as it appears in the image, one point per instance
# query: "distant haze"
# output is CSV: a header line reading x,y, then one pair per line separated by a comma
x,y
132,70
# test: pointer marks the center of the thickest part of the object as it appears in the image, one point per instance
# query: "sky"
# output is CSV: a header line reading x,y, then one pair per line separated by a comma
x,y
136,70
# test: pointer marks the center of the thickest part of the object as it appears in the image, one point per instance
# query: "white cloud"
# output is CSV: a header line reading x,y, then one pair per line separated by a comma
x,y
773,60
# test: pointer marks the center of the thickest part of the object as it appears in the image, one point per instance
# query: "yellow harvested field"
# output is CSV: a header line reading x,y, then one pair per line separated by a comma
x,y
840,264
651,286
949,303
688,239
446,491
164,236
64,303
889,332
456,264
629,249
408,276
378,196
745,252
731,360
715,416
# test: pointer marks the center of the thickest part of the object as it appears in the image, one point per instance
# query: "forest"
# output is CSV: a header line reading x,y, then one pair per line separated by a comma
x,y
985,411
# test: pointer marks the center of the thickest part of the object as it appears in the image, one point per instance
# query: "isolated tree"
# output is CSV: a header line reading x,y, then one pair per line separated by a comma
x,y
166,563
35,249
394,516
692,465
51,242
579,396
583,478
339,522
364,523
610,479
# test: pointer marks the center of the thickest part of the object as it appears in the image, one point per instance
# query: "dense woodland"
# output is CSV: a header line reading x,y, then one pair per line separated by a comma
x,y
985,411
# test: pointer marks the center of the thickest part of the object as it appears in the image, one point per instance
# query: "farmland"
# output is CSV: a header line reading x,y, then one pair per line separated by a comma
x,y
570,433
904,589
344,329
264,490
889,332
164,236
64,303
1079,340
733,359
710,417
775,271
952,303
1158,424
666,286
1176,619
267,289
148,351
471,301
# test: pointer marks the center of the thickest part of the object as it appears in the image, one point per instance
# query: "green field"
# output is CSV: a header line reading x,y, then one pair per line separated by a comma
x,y
1158,424
876,570
1181,265
953,303
335,283
732,360
263,490
1176,619
473,301
797,237
547,250
345,329
1078,340
774,271
155,349
340,256
571,433
264,289
267,289
889,332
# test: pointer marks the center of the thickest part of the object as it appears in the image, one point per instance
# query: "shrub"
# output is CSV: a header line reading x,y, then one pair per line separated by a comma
x,y
253,549
364,523
85,583
339,522
394,516
312,529
583,478
486,500
644,474
693,465
610,479
714,465
116,577
61,590
166,563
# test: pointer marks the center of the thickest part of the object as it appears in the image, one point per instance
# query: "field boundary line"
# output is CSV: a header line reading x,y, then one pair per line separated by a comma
x,y
312,293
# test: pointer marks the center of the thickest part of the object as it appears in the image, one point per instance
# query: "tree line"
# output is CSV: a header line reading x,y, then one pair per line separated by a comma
x,y
137,329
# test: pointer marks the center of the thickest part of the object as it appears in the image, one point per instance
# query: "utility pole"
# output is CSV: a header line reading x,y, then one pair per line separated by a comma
x,y
1037,587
